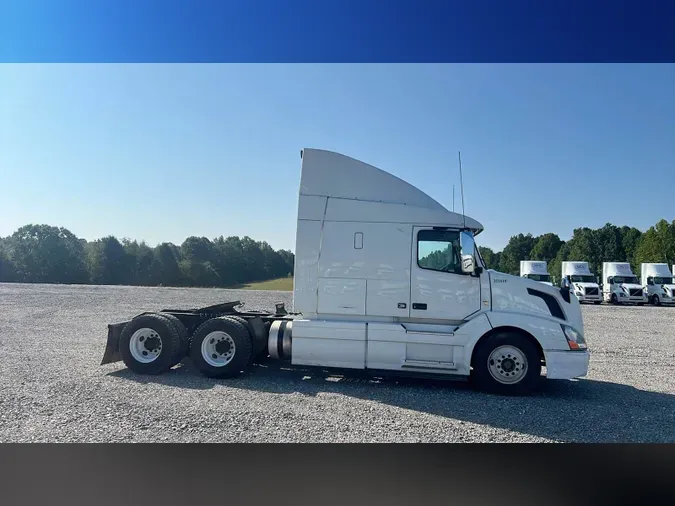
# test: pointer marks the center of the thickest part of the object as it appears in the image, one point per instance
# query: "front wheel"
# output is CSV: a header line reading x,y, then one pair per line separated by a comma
x,y
597,302
221,348
655,300
506,364
613,299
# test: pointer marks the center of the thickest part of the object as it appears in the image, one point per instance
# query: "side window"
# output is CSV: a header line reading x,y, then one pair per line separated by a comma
x,y
437,250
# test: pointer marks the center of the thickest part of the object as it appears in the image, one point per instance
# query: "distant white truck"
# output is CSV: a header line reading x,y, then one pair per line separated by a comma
x,y
582,281
657,282
535,270
620,285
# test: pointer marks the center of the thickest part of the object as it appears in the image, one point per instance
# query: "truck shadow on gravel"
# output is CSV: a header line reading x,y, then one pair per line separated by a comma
x,y
568,411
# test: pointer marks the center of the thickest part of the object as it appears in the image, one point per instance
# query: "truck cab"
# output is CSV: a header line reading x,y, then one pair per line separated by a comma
x,y
386,278
657,282
535,270
620,285
582,281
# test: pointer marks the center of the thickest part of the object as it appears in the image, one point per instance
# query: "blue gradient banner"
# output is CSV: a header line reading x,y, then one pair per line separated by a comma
x,y
335,31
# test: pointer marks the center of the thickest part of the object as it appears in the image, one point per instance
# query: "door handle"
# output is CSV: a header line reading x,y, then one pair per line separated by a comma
x,y
419,305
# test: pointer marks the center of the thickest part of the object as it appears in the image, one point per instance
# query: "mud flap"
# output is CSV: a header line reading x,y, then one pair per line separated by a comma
x,y
112,349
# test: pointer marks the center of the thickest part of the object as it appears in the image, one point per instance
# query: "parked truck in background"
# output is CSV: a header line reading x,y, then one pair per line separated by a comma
x,y
535,270
583,282
657,282
620,286
388,281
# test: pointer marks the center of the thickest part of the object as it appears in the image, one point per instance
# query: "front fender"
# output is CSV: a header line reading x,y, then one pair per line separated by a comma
x,y
546,331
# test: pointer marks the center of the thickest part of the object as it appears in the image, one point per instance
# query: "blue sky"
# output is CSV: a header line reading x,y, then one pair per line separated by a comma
x,y
162,152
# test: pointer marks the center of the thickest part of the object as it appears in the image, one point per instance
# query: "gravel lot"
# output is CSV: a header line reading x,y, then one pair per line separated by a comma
x,y
52,388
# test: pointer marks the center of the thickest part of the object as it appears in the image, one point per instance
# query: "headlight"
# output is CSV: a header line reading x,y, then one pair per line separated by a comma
x,y
574,339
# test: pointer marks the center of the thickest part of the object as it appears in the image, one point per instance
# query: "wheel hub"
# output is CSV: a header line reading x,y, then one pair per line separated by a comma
x,y
507,364
152,343
222,347
145,345
218,349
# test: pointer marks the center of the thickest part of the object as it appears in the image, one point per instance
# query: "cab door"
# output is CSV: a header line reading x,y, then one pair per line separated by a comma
x,y
438,288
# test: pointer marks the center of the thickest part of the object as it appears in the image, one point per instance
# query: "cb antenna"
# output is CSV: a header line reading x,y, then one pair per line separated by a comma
x,y
461,186
453,198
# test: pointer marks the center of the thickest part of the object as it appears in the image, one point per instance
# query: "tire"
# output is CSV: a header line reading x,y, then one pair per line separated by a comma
x,y
141,331
184,337
227,361
613,299
596,302
259,348
511,344
655,300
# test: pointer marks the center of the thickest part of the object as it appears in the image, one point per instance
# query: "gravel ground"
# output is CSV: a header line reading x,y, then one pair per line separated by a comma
x,y
52,388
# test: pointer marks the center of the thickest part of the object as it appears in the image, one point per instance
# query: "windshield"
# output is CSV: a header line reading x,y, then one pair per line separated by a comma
x,y
663,281
626,279
539,277
585,278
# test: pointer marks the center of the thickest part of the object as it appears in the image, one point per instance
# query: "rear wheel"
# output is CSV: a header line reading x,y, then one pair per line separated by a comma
x,y
149,344
221,348
507,364
184,337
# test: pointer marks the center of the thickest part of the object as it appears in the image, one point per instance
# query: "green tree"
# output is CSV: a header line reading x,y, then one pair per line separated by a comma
x,y
630,238
519,248
140,258
7,271
546,248
555,265
46,254
490,258
108,262
164,267
657,244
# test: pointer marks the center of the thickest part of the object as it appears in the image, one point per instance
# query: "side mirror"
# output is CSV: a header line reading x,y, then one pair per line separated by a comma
x,y
467,247
565,284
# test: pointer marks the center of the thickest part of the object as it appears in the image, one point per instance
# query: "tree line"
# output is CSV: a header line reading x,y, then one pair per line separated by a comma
x,y
48,254
595,246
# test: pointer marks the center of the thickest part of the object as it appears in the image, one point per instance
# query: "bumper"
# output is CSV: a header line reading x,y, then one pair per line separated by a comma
x,y
589,298
566,364
632,300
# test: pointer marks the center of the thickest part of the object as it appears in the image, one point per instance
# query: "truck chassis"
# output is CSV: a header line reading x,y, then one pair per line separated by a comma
x,y
162,339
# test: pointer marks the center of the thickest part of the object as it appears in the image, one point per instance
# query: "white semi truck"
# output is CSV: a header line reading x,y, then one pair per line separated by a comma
x,y
387,281
657,282
536,270
620,286
582,281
